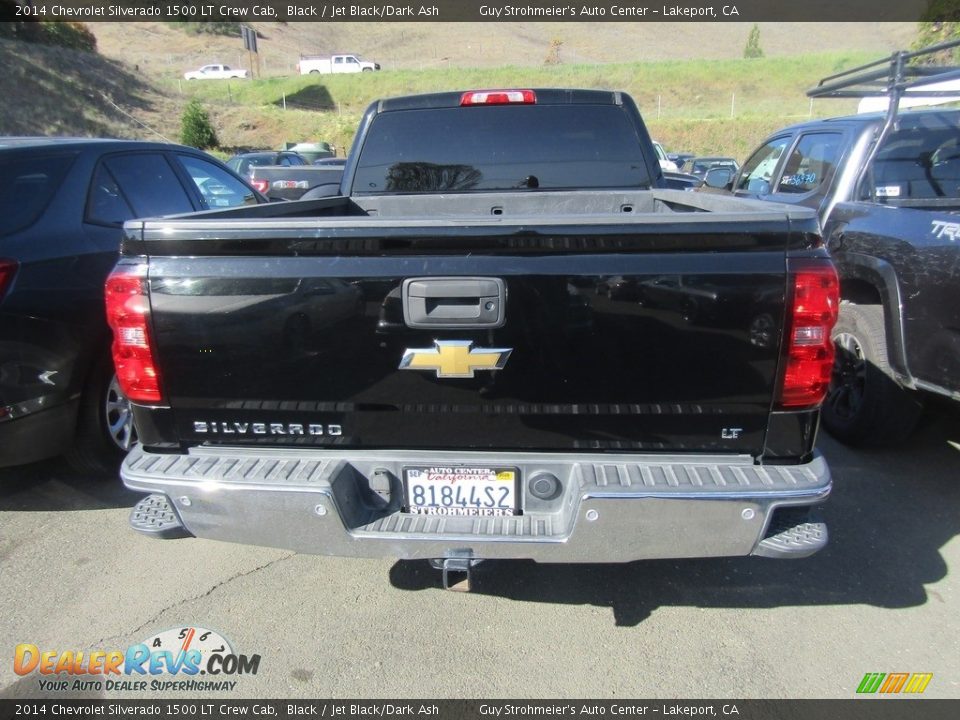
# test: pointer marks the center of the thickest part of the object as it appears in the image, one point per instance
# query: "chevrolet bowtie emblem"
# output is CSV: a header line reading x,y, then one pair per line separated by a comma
x,y
455,358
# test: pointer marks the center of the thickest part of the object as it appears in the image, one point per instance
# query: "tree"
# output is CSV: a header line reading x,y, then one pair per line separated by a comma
x,y
753,49
196,129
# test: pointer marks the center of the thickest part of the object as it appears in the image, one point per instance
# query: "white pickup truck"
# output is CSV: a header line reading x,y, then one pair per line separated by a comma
x,y
216,72
334,64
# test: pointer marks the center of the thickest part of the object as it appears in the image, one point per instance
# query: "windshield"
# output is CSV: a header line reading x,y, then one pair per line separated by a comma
x,y
501,148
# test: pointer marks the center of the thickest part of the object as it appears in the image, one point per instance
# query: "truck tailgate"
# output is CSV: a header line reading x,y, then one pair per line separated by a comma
x,y
609,336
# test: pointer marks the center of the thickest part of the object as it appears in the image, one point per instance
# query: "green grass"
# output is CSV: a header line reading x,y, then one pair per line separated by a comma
x,y
686,104
718,106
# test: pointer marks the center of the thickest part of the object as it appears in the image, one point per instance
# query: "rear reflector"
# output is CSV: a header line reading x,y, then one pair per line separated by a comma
x,y
808,349
128,314
499,97
261,186
8,268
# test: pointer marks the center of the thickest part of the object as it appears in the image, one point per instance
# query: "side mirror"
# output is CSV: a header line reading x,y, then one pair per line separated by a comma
x,y
719,178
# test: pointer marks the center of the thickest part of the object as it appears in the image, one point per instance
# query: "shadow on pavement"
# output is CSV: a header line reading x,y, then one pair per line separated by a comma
x,y
50,486
890,513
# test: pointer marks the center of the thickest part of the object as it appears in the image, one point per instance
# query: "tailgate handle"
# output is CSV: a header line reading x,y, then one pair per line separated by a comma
x,y
454,302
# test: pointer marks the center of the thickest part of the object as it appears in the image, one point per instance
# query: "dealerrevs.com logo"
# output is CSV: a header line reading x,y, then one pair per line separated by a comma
x,y
185,653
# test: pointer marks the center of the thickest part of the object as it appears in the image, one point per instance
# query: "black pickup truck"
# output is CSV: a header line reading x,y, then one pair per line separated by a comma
x,y
424,367
886,187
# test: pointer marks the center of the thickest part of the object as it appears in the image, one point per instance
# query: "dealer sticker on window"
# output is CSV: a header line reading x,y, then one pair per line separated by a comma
x,y
463,491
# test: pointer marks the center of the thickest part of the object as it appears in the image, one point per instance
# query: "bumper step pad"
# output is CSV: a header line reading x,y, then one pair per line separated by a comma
x,y
154,516
785,540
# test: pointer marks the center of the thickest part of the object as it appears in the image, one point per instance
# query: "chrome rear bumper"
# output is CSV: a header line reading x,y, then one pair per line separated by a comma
x,y
612,508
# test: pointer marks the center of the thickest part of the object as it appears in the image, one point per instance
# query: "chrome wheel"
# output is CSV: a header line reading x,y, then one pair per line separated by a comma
x,y
119,417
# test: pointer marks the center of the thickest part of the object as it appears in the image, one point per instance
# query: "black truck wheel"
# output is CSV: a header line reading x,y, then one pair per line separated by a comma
x,y
105,430
865,405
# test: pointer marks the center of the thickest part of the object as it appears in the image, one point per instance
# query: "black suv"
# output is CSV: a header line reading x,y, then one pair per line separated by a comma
x,y
61,213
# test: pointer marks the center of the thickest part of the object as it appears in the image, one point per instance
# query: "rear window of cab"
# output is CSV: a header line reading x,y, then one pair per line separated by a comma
x,y
507,147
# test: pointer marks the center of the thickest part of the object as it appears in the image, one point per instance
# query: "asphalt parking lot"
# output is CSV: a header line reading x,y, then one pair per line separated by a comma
x,y
882,597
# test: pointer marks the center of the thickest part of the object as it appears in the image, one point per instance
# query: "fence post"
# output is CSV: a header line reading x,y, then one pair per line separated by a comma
x,y
658,107
733,103
284,101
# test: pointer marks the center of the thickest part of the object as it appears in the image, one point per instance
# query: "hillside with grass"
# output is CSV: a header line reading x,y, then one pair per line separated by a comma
x,y
49,90
696,92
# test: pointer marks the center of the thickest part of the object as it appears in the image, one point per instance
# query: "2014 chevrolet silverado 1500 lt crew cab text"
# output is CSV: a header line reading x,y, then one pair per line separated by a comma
x,y
424,366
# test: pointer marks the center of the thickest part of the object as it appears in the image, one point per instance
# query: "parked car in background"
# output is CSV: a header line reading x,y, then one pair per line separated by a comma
x,y
680,159
665,163
61,216
886,188
700,165
285,174
312,151
216,72
325,65
243,163
682,181
288,182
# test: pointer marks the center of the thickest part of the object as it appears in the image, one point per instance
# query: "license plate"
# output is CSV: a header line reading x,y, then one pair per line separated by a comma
x,y
461,491
290,184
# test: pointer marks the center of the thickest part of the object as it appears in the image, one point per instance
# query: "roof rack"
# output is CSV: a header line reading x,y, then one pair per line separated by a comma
x,y
892,77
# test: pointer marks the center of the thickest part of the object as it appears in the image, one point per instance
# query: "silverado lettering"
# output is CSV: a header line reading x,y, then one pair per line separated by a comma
x,y
260,428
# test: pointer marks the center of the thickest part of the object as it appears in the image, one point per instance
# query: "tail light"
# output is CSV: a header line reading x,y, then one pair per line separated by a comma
x,y
499,97
261,186
8,269
128,314
814,301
